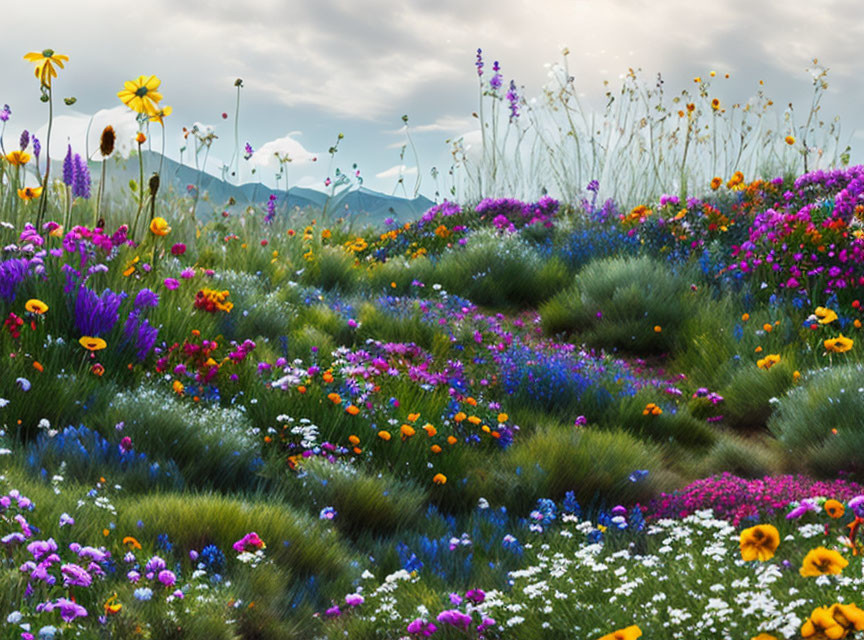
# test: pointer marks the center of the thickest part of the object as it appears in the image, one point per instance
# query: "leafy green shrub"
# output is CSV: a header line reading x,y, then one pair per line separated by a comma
x,y
267,317
294,539
378,503
678,427
212,446
377,325
806,419
332,268
596,465
745,457
747,403
619,303
500,271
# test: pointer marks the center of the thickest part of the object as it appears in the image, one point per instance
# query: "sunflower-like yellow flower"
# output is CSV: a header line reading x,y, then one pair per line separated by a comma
x,y
825,315
834,508
768,361
36,306
821,561
18,158
161,114
848,616
821,624
840,344
29,193
141,95
629,633
759,542
92,344
45,62
159,227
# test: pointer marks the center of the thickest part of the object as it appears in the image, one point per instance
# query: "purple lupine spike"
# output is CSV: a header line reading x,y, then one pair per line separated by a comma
x,y
96,315
80,178
479,63
25,140
37,148
513,99
68,167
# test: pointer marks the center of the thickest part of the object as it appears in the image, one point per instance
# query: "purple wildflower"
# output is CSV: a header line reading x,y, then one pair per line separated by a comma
x,y
513,99
167,578
81,178
68,167
479,63
96,315
249,151
25,140
455,618
5,112
354,599
75,576
12,273
37,148
495,82
422,628
146,298
271,208
69,610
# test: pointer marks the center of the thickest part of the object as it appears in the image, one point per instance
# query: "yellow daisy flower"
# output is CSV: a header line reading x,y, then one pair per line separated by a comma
x,y
141,95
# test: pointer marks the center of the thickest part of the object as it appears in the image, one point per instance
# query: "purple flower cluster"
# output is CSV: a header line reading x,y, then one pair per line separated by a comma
x,y
510,214
444,210
76,174
271,208
736,499
95,314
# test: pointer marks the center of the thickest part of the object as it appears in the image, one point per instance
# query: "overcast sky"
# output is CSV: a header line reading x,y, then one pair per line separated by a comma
x,y
312,70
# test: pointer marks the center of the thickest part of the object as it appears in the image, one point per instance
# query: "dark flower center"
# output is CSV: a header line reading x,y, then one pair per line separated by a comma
x,y
47,53
141,92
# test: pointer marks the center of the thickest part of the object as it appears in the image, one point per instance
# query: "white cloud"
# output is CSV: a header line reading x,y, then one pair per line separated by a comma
x,y
265,155
394,171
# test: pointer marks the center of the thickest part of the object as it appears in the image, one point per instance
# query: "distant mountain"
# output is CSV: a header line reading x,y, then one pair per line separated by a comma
x,y
363,203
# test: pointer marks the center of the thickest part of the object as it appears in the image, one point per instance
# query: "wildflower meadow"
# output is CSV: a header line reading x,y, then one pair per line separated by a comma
x,y
609,386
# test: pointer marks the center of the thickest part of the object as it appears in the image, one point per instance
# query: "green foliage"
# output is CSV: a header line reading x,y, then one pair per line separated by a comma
x,y
675,425
210,445
332,268
747,457
748,397
616,303
596,465
500,271
379,504
807,417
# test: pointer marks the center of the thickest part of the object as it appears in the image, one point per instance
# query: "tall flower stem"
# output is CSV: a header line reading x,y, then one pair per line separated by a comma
x,y
100,194
44,199
140,189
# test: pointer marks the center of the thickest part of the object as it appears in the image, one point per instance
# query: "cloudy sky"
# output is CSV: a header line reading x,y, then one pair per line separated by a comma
x,y
312,70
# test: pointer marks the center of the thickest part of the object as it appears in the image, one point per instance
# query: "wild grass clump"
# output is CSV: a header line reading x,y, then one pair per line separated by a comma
x,y
667,424
378,504
500,270
636,305
596,465
821,421
211,446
